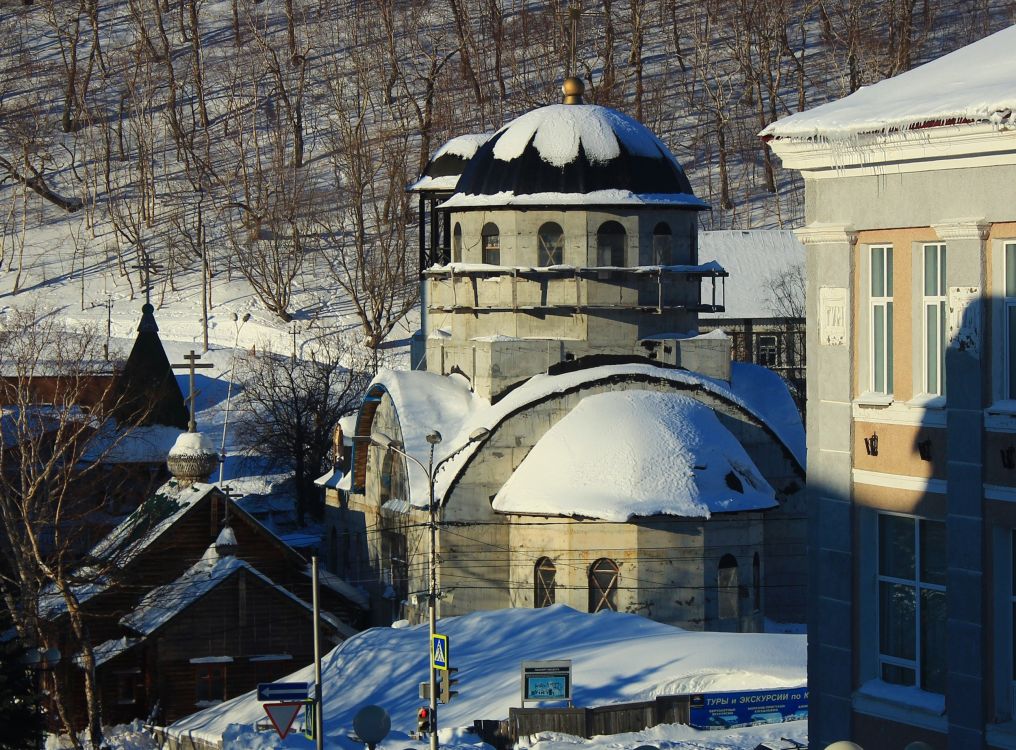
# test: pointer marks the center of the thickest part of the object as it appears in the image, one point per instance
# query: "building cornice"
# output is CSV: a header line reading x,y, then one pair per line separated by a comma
x,y
963,229
919,150
826,234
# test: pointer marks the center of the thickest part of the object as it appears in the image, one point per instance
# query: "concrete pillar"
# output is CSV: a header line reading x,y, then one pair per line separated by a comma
x,y
829,312
966,396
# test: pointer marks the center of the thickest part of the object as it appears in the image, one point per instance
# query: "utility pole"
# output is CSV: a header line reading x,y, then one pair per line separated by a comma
x,y
319,722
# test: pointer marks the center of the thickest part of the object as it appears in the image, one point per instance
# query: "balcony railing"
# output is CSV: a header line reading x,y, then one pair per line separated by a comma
x,y
461,287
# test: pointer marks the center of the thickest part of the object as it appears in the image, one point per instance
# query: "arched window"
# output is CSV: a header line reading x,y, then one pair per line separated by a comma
x,y
756,581
457,243
544,581
610,244
491,241
726,588
663,244
603,585
551,241
393,478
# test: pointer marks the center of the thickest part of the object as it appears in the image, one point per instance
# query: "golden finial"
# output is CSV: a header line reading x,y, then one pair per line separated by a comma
x,y
573,89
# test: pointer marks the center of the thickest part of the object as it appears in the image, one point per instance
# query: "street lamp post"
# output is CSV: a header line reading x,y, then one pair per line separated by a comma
x,y
433,438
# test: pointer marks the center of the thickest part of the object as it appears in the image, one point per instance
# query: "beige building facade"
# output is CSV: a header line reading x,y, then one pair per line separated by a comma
x,y
911,261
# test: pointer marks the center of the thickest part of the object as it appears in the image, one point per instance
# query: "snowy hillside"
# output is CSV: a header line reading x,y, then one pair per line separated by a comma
x,y
615,657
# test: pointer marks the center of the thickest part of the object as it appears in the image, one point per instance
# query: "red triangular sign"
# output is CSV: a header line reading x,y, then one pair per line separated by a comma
x,y
282,716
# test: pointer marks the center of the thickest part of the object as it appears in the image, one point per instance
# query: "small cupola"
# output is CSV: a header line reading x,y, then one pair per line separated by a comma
x,y
225,542
192,459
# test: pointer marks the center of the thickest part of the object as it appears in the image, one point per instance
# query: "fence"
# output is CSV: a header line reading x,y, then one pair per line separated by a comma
x,y
584,722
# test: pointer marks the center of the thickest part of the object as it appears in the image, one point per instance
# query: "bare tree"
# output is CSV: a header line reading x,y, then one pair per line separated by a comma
x,y
57,401
291,406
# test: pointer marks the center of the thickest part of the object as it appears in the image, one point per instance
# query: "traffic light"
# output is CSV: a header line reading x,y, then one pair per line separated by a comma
x,y
423,721
448,681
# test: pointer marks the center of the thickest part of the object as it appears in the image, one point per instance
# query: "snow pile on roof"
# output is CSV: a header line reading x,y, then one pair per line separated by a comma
x,y
192,444
610,197
112,445
636,453
121,545
330,479
426,401
163,603
975,83
616,658
751,257
559,130
110,649
463,146
226,537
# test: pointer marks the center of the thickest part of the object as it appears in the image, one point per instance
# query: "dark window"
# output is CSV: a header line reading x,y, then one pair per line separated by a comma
x,y
457,243
211,682
551,241
491,240
610,244
727,588
393,478
766,351
127,686
544,582
663,244
603,585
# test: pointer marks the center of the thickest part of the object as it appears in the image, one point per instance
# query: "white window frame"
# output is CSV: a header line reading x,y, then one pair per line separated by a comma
x,y
880,299
918,585
933,311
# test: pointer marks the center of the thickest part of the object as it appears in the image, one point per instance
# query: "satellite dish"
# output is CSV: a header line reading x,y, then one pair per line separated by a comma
x,y
372,724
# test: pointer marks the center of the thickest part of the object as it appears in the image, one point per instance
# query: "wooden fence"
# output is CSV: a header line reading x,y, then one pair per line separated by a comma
x,y
584,722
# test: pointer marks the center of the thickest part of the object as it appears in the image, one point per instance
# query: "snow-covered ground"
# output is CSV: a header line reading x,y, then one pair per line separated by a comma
x,y
616,658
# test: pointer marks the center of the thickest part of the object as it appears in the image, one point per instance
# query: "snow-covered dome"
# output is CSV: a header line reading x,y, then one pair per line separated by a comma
x,y
573,153
630,453
192,458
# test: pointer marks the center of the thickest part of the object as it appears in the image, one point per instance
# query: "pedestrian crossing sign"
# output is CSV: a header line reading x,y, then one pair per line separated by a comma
x,y
439,651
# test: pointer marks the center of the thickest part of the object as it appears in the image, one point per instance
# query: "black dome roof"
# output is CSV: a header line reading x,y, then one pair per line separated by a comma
x,y
571,151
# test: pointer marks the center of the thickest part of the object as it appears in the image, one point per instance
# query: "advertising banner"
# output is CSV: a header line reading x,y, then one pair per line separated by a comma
x,y
748,708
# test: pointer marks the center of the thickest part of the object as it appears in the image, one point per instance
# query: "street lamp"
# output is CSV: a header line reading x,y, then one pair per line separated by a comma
x,y
431,469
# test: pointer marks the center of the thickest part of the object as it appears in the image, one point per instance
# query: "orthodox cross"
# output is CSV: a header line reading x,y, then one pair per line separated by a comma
x,y
146,266
191,364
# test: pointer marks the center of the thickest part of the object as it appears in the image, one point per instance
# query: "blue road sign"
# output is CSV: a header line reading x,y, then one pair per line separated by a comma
x,y
439,652
282,691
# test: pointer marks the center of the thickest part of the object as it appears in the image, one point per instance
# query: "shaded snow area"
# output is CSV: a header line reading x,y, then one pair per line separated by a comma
x,y
636,453
974,83
616,658
557,131
752,258
427,401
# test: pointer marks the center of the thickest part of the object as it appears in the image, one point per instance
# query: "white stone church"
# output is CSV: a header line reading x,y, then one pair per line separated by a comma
x,y
587,447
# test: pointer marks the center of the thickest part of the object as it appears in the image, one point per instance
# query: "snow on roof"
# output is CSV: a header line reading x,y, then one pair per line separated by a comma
x,y
111,649
559,130
149,444
132,536
609,197
464,146
426,401
636,453
616,658
975,83
330,479
751,257
163,603
192,444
